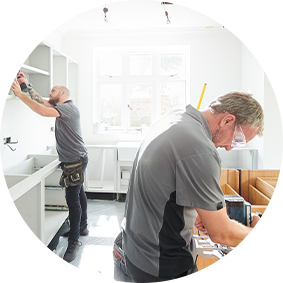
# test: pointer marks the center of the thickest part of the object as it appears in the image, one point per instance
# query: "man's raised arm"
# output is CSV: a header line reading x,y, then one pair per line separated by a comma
x,y
38,108
33,94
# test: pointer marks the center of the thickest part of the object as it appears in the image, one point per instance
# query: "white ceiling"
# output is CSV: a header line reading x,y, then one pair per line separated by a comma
x,y
138,14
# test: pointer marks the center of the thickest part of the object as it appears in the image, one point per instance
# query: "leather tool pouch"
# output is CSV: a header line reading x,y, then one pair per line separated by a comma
x,y
72,174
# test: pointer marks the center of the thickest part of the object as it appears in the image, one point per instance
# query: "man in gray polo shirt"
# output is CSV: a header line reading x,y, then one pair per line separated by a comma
x,y
70,148
174,185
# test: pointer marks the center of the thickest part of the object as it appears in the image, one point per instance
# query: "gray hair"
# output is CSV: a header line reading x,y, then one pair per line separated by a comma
x,y
63,88
243,106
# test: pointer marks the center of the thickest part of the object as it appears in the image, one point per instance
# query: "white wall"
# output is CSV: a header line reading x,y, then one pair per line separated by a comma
x,y
30,130
55,39
215,60
255,81
273,135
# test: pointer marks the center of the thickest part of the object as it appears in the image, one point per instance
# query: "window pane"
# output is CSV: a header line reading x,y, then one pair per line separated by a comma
x,y
173,64
110,97
140,104
140,65
110,64
172,96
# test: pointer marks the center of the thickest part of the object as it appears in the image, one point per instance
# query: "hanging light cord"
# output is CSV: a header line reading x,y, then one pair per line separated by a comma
x,y
166,13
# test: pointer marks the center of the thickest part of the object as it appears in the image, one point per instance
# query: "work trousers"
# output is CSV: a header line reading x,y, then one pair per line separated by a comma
x,y
139,276
77,203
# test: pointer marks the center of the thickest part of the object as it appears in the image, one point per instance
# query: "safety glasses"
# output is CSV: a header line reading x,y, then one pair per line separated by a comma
x,y
239,139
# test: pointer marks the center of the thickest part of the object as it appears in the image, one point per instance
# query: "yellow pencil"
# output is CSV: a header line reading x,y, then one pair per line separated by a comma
x,y
201,97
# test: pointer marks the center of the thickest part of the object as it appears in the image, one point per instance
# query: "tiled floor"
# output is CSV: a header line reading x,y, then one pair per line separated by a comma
x,y
104,220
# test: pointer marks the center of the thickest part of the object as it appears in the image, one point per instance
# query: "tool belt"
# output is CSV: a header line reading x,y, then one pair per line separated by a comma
x,y
118,253
72,174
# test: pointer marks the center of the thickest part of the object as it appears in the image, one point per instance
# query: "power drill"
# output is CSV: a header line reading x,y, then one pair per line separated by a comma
x,y
239,209
24,87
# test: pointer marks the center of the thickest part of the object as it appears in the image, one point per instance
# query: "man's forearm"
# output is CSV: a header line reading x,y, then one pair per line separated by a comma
x,y
33,105
38,98
235,234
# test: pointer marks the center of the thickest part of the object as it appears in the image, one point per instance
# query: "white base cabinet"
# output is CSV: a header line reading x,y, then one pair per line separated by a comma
x,y
28,183
34,184
109,167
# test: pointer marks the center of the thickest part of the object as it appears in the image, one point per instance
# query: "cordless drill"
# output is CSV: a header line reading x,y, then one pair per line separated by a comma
x,y
24,87
239,209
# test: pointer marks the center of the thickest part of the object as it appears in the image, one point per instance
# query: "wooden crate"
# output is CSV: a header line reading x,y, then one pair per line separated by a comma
x,y
228,190
257,187
229,177
266,185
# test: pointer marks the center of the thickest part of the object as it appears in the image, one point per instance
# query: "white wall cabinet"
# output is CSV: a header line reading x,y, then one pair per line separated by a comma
x,y
46,67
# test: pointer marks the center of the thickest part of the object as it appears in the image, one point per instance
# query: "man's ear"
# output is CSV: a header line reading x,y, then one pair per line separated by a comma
x,y
227,120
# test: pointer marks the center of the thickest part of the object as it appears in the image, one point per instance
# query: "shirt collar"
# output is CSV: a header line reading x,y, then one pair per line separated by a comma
x,y
67,101
194,113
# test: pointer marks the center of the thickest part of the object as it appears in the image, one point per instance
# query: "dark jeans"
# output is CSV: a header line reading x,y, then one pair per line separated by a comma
x,y
77,203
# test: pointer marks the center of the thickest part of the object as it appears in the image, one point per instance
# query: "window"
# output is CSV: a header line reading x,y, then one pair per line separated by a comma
x,y
172,96
110,105
133,87
140,104
140,64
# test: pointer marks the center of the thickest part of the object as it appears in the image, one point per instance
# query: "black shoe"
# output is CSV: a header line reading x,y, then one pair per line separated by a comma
x,y
82,233
72,251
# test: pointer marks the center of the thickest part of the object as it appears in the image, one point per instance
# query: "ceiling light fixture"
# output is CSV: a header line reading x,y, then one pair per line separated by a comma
x,y
105,10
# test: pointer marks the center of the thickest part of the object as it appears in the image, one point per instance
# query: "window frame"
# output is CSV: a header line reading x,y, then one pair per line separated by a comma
x,y
156,79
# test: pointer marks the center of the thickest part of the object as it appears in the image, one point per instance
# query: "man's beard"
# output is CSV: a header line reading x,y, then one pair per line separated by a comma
x,y
216,135
54,100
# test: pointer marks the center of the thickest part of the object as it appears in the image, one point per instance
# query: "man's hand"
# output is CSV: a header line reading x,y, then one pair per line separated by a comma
x,y
16,88
22,79
199,226
255,219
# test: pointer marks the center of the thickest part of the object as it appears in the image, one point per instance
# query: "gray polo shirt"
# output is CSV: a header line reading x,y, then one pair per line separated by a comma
x,y
68,134
177,168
